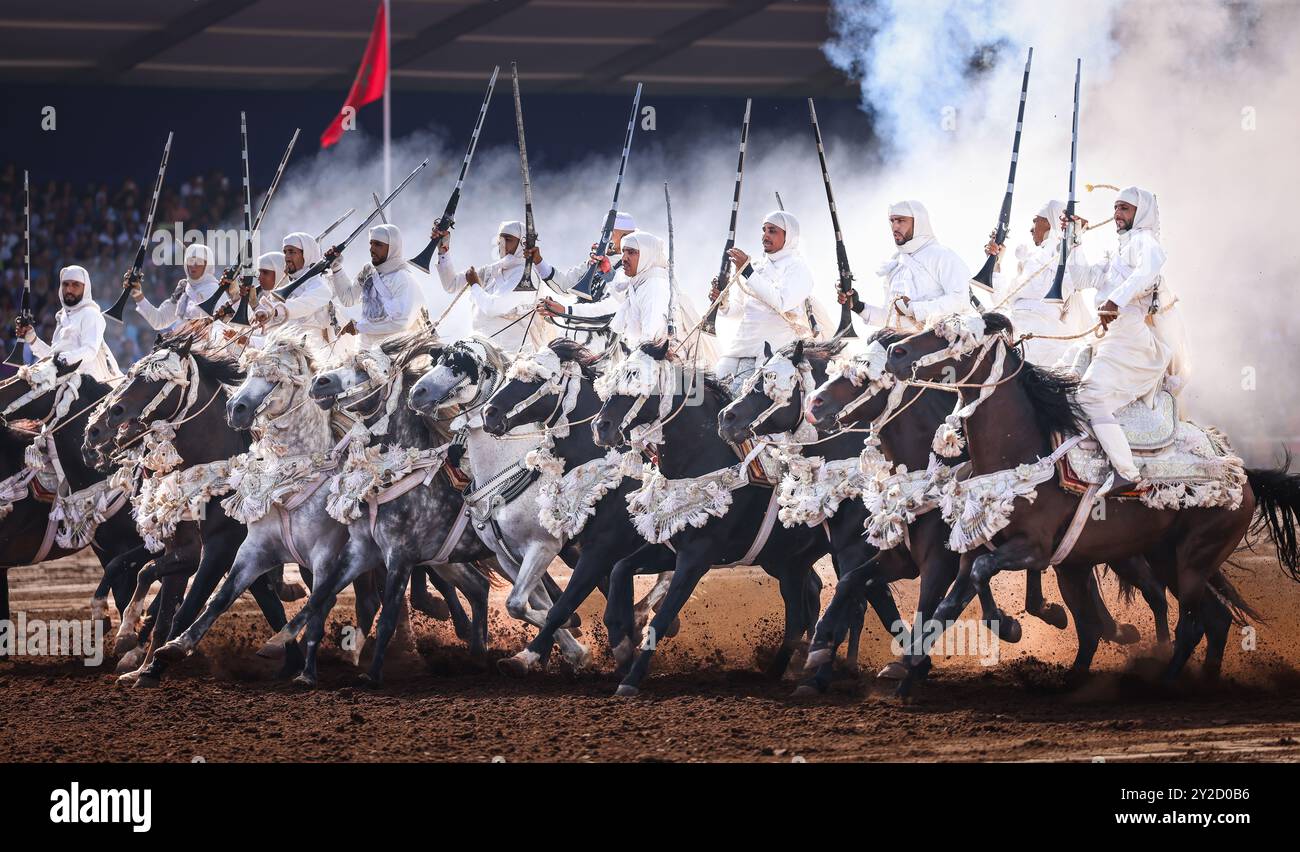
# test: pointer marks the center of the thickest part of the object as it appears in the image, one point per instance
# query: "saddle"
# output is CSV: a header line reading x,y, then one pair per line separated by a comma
x,y
1182,463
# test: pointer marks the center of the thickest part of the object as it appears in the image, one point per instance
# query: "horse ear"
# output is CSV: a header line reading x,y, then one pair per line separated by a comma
x,y
798,351
157,341
183,346
767,350
623,346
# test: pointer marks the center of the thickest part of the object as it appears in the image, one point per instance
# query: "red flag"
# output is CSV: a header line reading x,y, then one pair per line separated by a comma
x,y
369,85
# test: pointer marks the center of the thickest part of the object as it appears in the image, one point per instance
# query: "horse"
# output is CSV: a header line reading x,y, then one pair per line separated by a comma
x,y
903,419
502,497
278,489
697,496
164,416
391,530
1010,409
555,389
52,393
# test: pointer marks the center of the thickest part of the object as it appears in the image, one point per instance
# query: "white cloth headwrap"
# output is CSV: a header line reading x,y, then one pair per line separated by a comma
x,y
922,232
624,221
272,260
305,243
514,229
1052,211
654,254
201,253
1148,209
788,223
392,237
76,273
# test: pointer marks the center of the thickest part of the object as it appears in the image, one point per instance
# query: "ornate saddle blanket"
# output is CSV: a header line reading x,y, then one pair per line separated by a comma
x,y
1197,468
163,502
565,503
1149,428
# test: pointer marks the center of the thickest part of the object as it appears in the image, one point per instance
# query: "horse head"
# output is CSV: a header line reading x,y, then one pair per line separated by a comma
x,y
535,385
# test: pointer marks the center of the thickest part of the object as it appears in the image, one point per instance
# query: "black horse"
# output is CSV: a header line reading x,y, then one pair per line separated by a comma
x,y
691,447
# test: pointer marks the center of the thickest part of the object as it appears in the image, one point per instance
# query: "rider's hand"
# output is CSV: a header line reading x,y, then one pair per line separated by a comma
x,y
23,330
1107,313
471,276
549,307
738,258
534,254
350,328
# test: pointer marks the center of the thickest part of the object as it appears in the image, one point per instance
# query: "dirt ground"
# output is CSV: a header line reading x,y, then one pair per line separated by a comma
x,y
705,700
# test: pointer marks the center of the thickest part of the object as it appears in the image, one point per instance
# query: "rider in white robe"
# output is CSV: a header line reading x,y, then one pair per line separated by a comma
x,y
1022,295
770,298
79,332
1143,329
308,307
500,310
387,291
922,280
196,287
611,265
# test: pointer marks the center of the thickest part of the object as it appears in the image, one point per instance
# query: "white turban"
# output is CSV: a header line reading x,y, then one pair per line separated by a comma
x,y
514,229
273,261
1052,211
624,222
922,233
653,251
197,252
788,223
390,236
75,273
1148,210
305,243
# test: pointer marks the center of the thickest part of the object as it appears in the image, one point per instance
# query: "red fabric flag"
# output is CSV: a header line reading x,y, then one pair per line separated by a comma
x,y
369,85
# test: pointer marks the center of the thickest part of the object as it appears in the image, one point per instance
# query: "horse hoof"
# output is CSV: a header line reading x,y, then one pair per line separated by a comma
x,y
1009,629
128,679
893,670
290,592
817,658
172,652
627,690
272,650
125,643
1054,614
304,682
147,681
131,661
1125,634
520,665
575,621
581,661
434,607
624,651
805,690
369,682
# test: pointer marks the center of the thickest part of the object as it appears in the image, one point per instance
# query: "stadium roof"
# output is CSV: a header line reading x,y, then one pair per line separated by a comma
x,y
704,47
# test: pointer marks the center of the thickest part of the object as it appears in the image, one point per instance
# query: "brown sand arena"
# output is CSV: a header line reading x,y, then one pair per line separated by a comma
x,y
705,698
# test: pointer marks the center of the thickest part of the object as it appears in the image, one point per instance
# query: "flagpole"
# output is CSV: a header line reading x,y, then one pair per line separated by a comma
x,y
388,96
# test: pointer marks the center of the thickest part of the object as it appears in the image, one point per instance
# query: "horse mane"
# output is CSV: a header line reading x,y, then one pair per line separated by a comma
x,y
294,338
224,370
569,349
715,385
821,349
886,336
1050,392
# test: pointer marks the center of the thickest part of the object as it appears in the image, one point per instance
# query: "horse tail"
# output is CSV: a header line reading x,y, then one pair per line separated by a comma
x,y
1277,509
1127,591
1242,612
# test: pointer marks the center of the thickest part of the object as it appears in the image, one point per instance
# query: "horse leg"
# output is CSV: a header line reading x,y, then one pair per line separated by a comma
x,y
690,569
218,551
1053,613
646,607
128,631
938,567
793,584
399,574
437,608
529,601
1136,571
469,581
620,617
1007,628
268,600
149,674
1111,630
358,556
1218,623
254,559
1077,585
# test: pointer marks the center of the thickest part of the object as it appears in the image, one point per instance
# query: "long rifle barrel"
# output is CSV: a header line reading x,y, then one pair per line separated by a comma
x,y
1067,237
709,324
530,229
592,283
15,356
116,309
424,260
845,283
985,275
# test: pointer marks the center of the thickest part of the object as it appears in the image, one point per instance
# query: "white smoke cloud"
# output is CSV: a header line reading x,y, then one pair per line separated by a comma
x,y
1195,102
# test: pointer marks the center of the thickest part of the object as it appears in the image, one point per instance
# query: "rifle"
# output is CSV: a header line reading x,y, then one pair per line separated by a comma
x,y
672,278
319,266
251,292
845,284
424,260
15,357
592,283
985,276
530,230
1068,236
709,324
115,310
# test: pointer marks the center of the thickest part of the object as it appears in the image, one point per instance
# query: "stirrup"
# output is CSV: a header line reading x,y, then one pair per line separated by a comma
x,y
1115,482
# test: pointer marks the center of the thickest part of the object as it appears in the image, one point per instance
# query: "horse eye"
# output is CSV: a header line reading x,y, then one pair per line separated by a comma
x,y
899,352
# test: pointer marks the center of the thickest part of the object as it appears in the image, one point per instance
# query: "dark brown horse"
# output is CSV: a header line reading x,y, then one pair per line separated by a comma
x,y
1014,425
